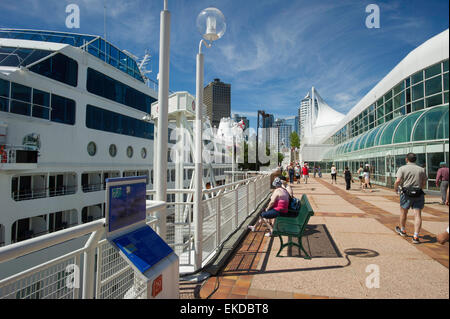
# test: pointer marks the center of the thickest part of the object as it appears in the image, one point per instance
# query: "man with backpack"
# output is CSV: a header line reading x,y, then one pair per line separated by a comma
x,y
412,179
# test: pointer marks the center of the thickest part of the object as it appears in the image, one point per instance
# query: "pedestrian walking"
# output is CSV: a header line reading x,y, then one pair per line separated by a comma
x,y
348,178
297,173
412,179
360,173
315,171
333,174
442,181
366,174
320,172
291,173
305,173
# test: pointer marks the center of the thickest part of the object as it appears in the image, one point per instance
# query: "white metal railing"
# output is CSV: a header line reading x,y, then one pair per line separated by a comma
x,y
96,270
224,209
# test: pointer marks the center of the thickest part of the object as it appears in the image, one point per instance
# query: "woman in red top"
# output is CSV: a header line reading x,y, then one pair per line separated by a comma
x,y
279,203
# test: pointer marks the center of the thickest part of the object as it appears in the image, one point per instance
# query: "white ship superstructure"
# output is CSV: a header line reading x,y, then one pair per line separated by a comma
x,y
72,110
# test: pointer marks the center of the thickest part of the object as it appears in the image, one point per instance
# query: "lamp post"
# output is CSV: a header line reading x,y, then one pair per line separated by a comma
x,y
211,25
160,166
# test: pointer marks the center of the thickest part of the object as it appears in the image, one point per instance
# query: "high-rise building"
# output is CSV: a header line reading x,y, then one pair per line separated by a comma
x,y
303,114
217,98
293,121
284,132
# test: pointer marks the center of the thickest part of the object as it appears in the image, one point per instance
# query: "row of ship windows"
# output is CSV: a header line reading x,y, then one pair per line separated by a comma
x,y
27,187
65,70
425,88
20,99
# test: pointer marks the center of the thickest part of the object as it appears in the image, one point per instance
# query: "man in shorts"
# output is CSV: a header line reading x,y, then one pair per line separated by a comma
x,y
305,173
413,179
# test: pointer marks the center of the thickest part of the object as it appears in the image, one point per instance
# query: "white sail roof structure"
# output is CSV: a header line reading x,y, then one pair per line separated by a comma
x,y
322,119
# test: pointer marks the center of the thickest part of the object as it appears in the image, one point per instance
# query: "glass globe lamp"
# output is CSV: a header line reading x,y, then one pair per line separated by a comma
x,y
211,24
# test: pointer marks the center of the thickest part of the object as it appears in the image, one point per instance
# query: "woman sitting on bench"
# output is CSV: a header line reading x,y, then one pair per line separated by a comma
x,y
279,203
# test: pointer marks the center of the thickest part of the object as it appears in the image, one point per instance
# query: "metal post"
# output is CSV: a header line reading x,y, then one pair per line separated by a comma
x,y
198,209
179,172
163,106
89,265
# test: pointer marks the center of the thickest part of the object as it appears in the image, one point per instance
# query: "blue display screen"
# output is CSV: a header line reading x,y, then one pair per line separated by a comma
x,y
143,247
126,205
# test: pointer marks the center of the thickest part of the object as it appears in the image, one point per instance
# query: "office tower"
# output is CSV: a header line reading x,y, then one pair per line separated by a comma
x,y
217,98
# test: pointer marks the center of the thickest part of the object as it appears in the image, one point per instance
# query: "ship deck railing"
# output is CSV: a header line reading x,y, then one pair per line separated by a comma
x,y
96,270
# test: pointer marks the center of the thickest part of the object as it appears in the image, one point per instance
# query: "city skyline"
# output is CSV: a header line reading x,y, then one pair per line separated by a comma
x,y
268,54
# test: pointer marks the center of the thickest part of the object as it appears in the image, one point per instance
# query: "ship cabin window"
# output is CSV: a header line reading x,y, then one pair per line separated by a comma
x,y
107,175
104,86
91,213
36,103
63,110
108,121
91,182
4,95
58,67
20,99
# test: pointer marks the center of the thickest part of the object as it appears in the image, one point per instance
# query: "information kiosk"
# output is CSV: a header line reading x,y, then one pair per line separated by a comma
x,y
155,264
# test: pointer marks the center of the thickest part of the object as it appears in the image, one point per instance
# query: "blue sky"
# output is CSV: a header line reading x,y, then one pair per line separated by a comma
x,y
273,50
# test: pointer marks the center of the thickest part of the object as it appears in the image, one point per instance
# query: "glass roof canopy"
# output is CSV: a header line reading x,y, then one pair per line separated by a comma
x,y
424,125
95,45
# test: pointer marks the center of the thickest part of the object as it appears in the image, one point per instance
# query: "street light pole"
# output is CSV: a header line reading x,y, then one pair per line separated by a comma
x,y
160,167
211,25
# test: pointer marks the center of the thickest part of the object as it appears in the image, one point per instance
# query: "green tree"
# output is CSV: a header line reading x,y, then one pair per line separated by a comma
x,y
295,140
280,158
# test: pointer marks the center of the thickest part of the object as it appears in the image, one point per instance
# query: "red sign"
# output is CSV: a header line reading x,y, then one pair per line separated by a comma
x,y
157,286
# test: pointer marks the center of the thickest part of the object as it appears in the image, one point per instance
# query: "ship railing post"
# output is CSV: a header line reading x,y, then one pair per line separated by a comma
x,y
89,264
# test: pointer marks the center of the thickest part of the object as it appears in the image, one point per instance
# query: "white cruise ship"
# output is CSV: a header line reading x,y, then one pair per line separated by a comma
x,y
71,115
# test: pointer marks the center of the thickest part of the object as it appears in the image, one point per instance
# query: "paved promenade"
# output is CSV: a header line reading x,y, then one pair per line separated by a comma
x,y
350,237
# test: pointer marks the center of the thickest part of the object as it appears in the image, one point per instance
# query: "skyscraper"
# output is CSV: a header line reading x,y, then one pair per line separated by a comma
x,y
217,98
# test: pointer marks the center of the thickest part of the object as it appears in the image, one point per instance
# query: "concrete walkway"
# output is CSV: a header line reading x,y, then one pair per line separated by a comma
x,y
351,240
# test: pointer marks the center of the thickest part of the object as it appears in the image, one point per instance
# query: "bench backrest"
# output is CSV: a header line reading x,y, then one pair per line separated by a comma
x,y
305,212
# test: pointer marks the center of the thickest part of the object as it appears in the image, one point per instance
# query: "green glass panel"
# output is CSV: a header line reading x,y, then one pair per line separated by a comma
x,y
433,86
417,91
388,106
388,95
356,144
388,117
399,87
380,101
404,129
372,135
445,65
426,128
434,100
362,144
418,105
386,138
432,70
380,112
442,129
416,78
399,112
445,81
378,136
380,121
446,97
399,100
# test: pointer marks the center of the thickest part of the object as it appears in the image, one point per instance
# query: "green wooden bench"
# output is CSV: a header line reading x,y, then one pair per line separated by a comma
x,y
294,226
